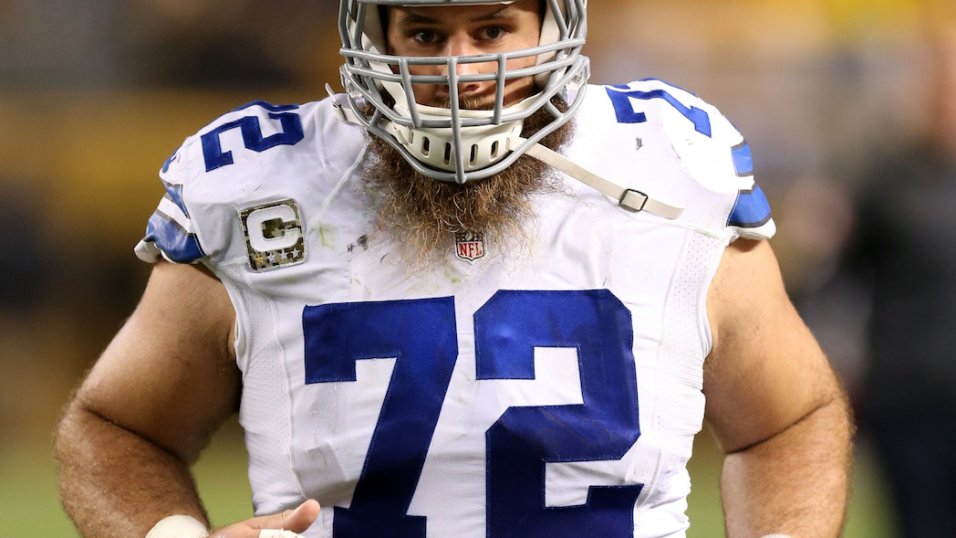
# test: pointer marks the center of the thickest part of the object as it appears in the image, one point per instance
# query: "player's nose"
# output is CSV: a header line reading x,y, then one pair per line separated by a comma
x,y
461,46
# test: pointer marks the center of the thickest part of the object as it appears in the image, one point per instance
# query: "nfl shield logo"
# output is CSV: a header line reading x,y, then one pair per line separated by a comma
x,y
469,246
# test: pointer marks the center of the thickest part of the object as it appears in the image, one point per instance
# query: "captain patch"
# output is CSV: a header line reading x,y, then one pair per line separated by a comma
x,y
274,235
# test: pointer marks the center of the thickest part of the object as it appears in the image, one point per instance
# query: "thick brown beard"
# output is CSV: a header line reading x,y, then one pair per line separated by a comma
x,y
424,215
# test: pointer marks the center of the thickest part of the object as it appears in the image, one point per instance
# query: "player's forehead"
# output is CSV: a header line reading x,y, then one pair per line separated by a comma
x,y
468,13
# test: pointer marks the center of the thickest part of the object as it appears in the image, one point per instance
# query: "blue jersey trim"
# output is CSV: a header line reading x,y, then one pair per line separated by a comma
x,y
743,160
751,210
176,243
174,193
169,161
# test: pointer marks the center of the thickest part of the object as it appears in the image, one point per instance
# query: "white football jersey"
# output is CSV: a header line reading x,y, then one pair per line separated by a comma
x,y
547,386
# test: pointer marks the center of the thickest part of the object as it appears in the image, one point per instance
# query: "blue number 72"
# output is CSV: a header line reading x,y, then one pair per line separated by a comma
x,y
421,335
252,138
624,110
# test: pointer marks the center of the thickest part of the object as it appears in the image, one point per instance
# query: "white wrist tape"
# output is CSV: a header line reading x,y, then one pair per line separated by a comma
x,y
178,527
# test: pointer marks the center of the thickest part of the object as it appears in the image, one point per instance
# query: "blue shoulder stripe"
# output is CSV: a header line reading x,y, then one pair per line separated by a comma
x,y
743,159
176,243
751,210
174,193
169,161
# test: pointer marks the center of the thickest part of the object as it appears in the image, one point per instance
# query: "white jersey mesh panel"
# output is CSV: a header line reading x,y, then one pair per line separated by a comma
x,y
265,412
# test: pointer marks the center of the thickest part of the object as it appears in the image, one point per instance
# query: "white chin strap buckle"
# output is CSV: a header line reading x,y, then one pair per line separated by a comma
x,y
633,200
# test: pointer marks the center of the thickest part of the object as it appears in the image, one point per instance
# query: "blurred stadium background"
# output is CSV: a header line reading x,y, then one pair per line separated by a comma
x,y
94,95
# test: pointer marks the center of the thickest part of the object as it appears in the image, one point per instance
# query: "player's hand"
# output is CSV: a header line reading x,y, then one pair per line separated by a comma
x,y
295,520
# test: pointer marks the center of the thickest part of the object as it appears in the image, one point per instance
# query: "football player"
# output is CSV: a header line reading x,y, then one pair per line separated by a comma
x,y
472,296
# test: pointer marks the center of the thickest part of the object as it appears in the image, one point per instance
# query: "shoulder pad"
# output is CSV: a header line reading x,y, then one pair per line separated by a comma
x,y
238,135
707,147
710,149
242,134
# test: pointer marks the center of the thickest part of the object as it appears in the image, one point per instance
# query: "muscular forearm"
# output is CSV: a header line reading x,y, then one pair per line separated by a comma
x,y
796,482
115,483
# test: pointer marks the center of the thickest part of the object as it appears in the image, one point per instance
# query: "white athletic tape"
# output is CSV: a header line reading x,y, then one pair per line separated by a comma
x,y
271,533
178,527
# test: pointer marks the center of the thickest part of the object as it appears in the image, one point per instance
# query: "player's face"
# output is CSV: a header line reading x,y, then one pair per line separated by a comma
x,y
464,31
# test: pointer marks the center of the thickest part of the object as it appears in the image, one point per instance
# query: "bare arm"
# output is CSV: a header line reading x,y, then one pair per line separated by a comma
x,y
774,406
162,387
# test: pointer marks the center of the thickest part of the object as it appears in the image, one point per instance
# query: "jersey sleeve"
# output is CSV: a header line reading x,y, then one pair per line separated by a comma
x,y
751,216
723,163
248,156
170,233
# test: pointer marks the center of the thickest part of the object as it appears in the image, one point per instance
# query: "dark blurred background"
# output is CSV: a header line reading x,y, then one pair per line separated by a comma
x,y
94,95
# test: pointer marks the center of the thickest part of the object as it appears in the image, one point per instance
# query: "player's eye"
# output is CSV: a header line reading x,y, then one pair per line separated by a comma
x,y
493,33
425,37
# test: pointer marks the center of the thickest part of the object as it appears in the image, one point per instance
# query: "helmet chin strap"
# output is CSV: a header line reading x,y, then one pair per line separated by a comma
x,y
630,199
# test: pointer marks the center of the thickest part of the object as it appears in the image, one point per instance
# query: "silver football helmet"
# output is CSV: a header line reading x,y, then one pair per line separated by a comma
x,y
454,144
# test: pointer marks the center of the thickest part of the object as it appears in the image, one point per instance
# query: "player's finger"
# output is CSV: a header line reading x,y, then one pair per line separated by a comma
x,y
296,520
302,517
